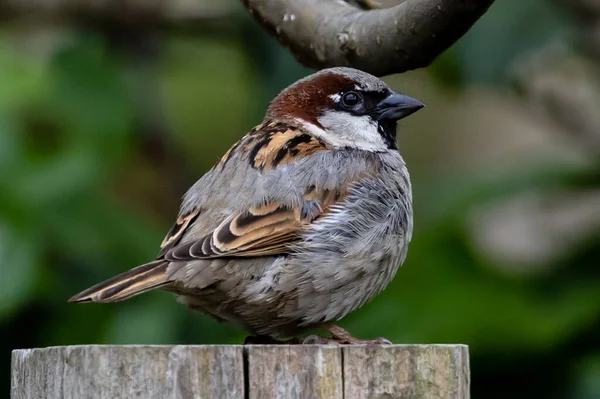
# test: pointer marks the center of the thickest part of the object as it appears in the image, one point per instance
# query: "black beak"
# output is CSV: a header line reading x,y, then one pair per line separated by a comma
x,y
397,106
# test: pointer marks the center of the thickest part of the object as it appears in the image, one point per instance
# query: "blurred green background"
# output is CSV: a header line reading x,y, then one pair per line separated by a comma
x,y
104,123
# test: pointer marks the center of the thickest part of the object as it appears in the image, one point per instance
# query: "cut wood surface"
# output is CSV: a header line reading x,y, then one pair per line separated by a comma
x,y
233,371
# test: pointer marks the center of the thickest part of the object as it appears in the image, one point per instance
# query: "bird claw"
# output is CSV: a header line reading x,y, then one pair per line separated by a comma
x,y
344,337
356,341
318,340
383,341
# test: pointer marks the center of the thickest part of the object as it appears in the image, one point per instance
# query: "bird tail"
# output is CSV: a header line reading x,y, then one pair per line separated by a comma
x,y
125,285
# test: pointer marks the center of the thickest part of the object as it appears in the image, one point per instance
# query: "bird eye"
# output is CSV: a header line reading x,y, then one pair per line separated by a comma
x,y
351,99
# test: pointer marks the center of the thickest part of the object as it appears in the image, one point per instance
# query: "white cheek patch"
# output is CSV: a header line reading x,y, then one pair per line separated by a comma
x,y
341,129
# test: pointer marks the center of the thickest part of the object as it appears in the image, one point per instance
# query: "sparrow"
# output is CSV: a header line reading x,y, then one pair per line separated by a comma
x,y
302,221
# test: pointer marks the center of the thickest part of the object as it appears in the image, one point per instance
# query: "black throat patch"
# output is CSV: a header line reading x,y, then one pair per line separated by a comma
x,y
387,129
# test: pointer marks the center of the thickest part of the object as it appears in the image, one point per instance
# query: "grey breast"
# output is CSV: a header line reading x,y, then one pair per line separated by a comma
x,y
349,256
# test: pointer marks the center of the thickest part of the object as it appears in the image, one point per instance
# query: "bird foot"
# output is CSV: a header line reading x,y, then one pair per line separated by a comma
x,y
340,336
318,340
376,341
265,340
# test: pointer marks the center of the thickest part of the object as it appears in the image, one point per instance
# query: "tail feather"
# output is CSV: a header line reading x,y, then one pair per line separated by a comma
x,y
125,285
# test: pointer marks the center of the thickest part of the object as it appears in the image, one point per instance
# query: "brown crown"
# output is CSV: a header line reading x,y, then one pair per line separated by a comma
x,y
307,98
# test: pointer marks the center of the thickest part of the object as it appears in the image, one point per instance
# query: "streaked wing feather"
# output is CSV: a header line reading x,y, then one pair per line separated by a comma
x,y
176,232
125,285
259,231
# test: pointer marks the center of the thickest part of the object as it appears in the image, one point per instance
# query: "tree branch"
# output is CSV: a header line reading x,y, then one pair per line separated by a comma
x,y
326,33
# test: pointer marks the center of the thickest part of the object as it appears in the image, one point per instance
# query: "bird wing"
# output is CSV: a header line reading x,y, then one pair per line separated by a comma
x,y
261,230
245,217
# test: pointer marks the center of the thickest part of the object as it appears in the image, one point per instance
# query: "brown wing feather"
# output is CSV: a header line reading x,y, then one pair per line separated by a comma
x,y
258,231
125,285
176,232
263,230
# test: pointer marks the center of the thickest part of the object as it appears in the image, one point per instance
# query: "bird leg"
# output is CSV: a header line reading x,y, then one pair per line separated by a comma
x,y
266,340
341,336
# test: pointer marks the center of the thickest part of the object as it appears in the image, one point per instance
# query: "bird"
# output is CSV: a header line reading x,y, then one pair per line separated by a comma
x,y
302,221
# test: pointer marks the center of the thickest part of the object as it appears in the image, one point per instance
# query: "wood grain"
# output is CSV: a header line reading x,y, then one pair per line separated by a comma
x,y
108,372
234,371
406,371
294,372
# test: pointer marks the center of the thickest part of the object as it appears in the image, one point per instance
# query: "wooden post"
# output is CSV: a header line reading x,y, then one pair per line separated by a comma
x,y
244,372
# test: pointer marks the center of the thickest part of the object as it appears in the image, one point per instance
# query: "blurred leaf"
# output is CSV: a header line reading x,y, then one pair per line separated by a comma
x,y
452,196
89,94
61,177
146,320
9,147
18,268
90,229
587,378
447,69
210,97
20,79
509,28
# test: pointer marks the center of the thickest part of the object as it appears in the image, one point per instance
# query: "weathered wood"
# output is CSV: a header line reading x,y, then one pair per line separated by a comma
x,y
109,372
294,372
406,371
232,371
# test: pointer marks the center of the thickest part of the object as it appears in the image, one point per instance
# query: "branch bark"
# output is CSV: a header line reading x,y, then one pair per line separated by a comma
x,y
327,33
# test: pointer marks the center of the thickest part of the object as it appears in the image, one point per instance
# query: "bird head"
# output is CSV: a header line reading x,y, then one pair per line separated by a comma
x,y
345,107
